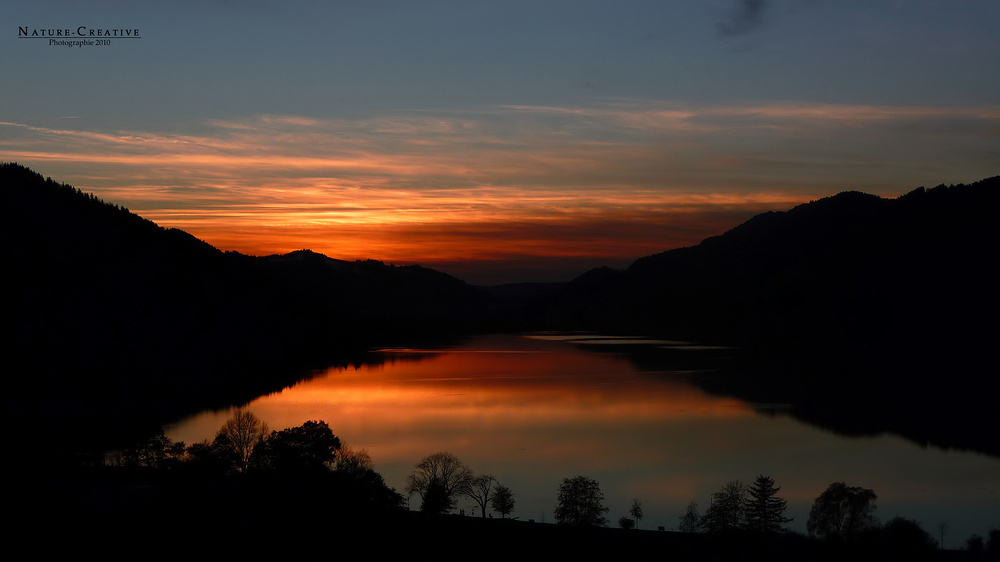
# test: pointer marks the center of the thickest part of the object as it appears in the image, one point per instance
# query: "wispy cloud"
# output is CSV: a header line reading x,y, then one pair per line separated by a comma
x,y
612,179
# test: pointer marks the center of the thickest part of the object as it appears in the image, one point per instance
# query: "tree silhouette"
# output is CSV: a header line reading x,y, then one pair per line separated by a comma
x,y
482,490
216,457
636,511
728,509
154,451
242,433
310,447
908,538
690,522
842,511
503,501
581,503
435,498
439,479
352,461
764,509
975,543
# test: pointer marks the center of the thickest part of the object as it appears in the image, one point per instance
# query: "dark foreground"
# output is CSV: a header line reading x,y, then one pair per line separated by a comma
x,y
130,517
240,532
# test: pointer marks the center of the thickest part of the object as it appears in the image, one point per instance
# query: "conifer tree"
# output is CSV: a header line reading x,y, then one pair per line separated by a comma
x,y
765,510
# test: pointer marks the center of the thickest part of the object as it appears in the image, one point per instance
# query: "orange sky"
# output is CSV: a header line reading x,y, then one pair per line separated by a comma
x,y
499,194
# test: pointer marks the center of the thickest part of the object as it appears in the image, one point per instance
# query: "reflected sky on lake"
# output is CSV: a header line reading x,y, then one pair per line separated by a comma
x,y
534,410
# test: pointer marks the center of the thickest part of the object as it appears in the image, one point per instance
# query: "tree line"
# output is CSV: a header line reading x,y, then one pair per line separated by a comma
x,y
440,479
307,460
246,446
840,514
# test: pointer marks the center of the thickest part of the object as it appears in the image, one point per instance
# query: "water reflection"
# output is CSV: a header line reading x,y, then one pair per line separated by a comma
x,y
534,410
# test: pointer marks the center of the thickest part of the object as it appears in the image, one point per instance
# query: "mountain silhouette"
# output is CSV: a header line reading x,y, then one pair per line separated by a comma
x,y
113,319
864,314
852,268
110,316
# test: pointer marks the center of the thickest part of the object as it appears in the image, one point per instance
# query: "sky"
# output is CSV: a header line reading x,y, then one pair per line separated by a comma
x,y
500,141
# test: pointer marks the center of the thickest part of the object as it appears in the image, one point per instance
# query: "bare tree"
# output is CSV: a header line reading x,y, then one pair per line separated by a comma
x,y
352,460
242,434
728,508
439,479
482,490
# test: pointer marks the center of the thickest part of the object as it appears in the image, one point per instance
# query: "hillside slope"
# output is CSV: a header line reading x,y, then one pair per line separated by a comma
x,y
852,268
861,314
110,315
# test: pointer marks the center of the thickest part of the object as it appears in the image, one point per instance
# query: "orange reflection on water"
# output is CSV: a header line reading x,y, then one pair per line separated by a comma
x,y
476,386
491,393
532,411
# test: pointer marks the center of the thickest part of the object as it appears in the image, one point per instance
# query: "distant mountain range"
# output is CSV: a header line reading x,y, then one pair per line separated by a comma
x,y
108,312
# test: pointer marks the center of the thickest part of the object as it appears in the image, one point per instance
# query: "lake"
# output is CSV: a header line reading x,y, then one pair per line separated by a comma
x,y
534,409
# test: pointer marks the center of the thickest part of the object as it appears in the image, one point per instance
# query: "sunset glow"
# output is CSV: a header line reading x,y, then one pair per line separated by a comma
x,y
803,191
463,191
502,142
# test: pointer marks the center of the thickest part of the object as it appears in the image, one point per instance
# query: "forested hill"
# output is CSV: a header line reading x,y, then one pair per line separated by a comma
x,y
107,311
863,314
851,268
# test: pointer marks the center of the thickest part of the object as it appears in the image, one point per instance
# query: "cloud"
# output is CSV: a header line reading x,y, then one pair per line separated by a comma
x,y
616,144
513,184
745,17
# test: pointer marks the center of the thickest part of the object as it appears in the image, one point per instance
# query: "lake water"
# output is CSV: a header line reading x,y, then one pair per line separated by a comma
x,y
532,410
